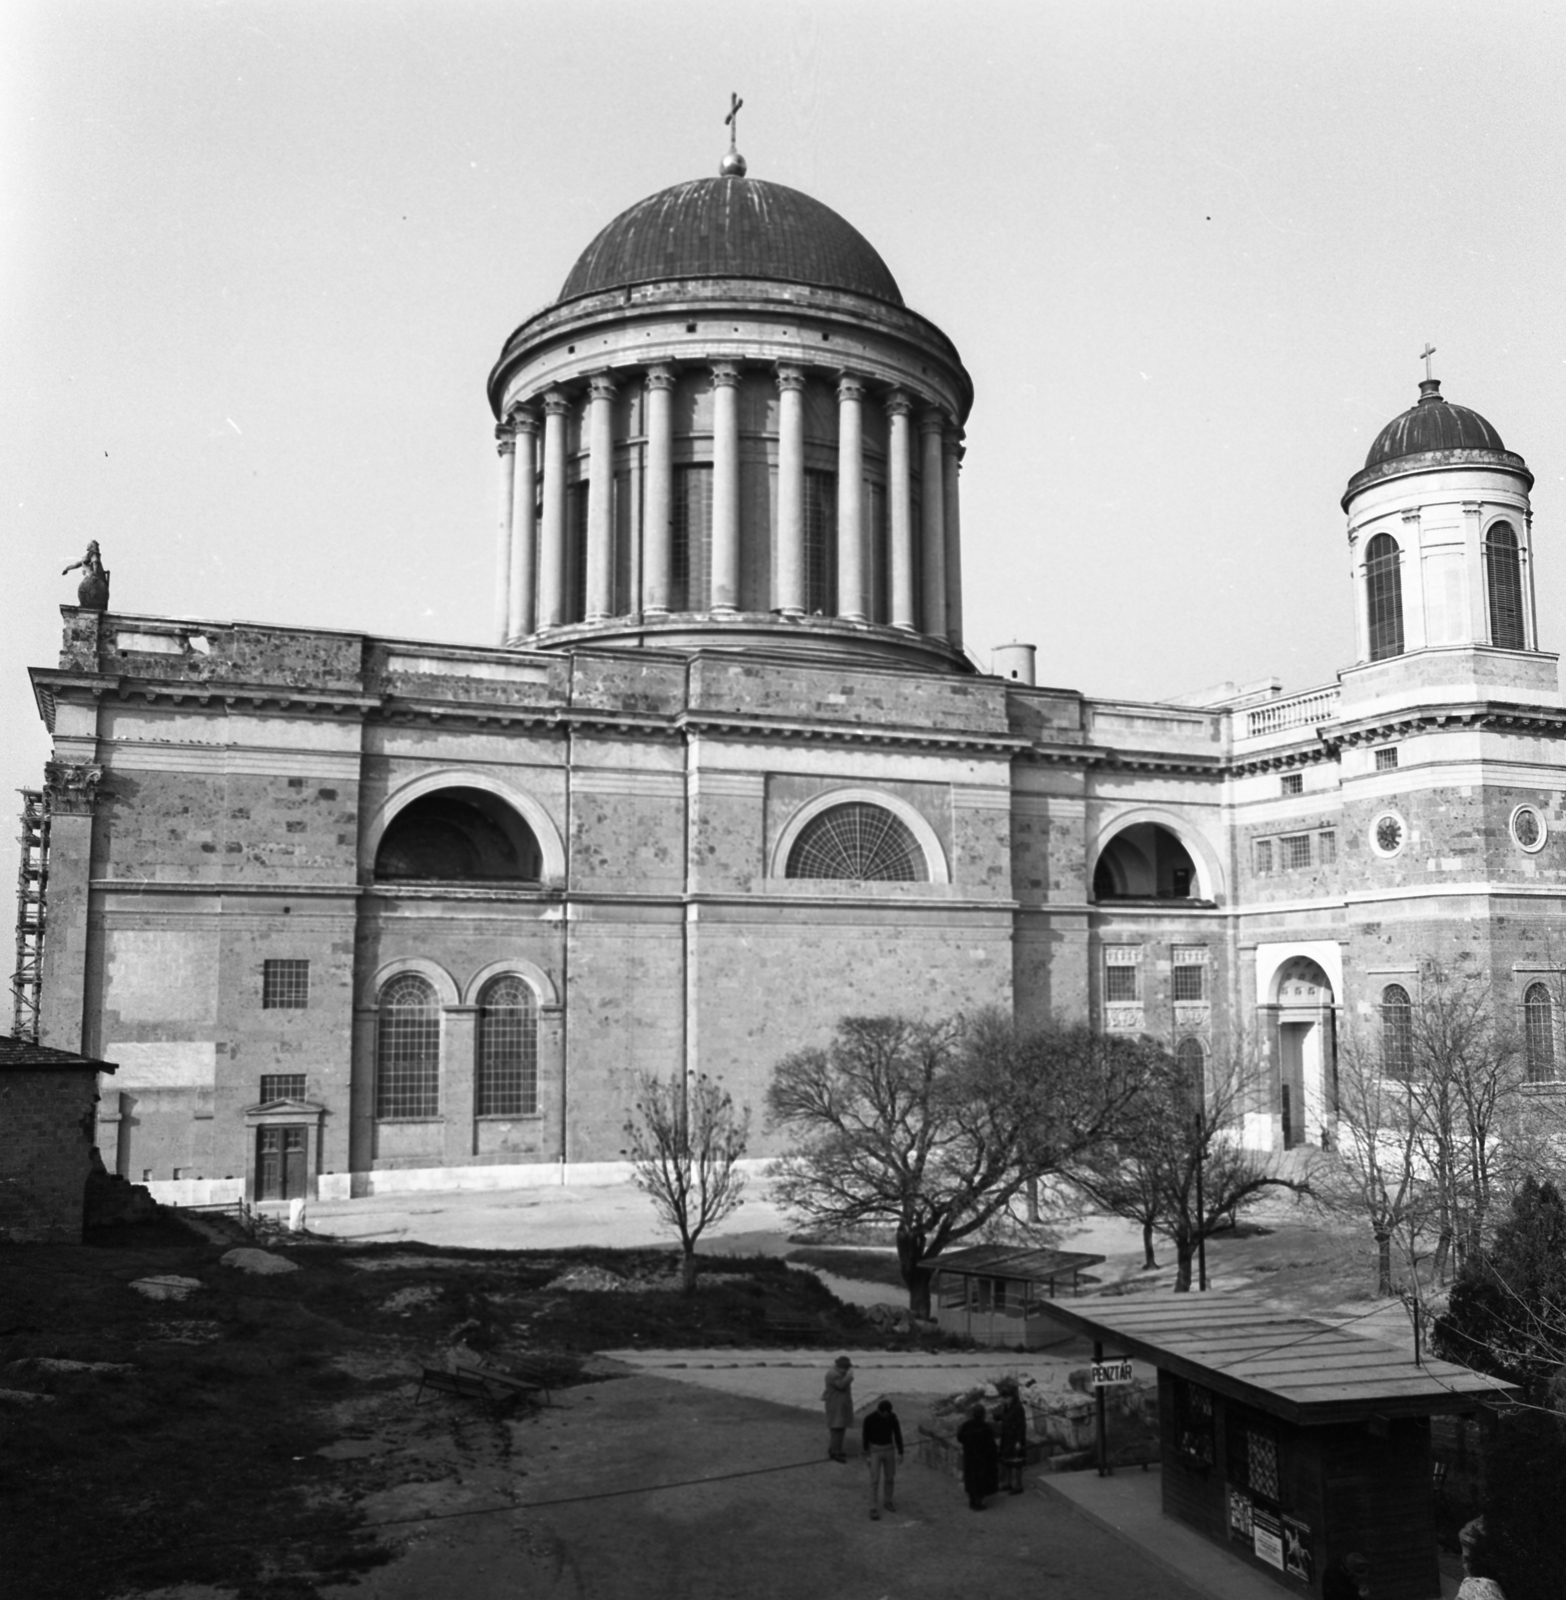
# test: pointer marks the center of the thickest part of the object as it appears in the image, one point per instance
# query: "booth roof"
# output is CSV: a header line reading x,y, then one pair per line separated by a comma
x,y
1298,1368
1006,1261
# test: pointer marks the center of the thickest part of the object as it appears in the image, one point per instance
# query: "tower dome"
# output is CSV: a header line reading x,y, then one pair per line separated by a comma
x,y
731,227
729,432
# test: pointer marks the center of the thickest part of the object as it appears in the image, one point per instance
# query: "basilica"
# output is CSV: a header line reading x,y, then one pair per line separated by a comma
x,y
356,914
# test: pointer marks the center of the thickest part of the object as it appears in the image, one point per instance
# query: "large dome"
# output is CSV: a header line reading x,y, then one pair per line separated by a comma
x,y
731,227
1432,424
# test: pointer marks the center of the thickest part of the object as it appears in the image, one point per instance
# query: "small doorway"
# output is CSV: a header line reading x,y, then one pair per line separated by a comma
x,y
280,1162
1306,1053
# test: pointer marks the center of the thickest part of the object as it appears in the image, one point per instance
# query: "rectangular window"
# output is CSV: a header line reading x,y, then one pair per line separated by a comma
x,y
878,554
1327,847
1295,848
576,551
285,985
1386,759
692,539
282,1086
1293,782
1123,973
1190,972
821,544
1264,856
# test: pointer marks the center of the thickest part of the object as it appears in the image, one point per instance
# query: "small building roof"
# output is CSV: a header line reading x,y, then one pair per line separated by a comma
x,y
1296,1367
22,1055
1007,1261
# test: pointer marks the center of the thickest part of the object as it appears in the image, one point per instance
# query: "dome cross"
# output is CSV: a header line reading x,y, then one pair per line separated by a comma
x,y
1425,355
733,164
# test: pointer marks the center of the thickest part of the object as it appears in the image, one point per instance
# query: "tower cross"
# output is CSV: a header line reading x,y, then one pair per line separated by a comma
x,y
731,122
1425,355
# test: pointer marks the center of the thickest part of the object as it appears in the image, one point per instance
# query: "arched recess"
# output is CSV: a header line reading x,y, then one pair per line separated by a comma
x,y
1135,829
936,868
551,848
1303,1013
444,984
534,977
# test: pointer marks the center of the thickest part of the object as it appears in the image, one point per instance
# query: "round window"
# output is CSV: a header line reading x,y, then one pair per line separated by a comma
x,y
1388,834
1528,829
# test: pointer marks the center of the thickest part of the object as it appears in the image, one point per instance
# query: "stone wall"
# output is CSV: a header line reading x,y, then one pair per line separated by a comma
x,y
45,1152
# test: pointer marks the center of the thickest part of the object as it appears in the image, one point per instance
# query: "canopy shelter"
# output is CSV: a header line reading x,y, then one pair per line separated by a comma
x,y
1290,1439
996,1294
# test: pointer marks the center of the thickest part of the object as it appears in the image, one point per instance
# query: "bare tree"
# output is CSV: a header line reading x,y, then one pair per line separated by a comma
x,y
1178,1165
685,1141
935,1128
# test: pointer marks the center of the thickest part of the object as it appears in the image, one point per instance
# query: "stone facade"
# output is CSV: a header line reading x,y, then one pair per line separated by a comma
x,y
46,1141
356,913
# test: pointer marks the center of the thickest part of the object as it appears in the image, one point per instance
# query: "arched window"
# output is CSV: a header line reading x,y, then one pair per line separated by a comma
x,y
1191,1059
1539,1033
1503,579
407,1049
507,1049
1145,861
1384,597
458,834
860,842
1397,1032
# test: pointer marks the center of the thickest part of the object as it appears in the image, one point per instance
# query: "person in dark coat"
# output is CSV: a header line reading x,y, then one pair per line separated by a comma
x,y
1348,1578
1013,1439
881,1435
979,1458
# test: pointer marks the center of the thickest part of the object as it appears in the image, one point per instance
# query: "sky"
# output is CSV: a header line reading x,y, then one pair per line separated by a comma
x,y
256,260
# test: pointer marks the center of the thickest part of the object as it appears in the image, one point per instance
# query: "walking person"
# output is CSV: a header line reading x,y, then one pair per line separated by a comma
x,y
879,1438
1013,1437
838,1396
979,1458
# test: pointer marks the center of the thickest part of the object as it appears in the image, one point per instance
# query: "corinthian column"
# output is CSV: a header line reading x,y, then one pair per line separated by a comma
x,y
952,445
506,446
899,495
932,519
658,506
600,497
524,527
551,547
789,590
725,488
851,602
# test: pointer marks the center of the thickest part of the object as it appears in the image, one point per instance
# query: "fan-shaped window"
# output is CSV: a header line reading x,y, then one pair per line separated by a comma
x,y
1503,578
1384,596
859,842
508,1049
1397,1032
458,835
1539,1033
407,1049
1144,862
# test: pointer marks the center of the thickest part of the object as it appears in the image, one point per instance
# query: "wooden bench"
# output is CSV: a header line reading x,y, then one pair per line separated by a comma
x,y
497,1389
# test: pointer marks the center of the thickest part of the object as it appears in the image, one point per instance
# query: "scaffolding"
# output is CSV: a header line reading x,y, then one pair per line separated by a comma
x,y
32,881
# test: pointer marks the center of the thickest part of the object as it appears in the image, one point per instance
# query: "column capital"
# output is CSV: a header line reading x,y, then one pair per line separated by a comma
x,y
932,420
725,374
850,387
601,386
505,438
72,787
557,403
790,376
523,420
899,403
953,443
661,377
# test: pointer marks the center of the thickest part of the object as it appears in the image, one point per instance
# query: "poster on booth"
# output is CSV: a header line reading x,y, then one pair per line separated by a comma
x,y
1267,1540
1240,1516
1296,1549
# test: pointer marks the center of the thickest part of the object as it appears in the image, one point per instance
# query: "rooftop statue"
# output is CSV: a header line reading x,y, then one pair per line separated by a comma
x,y
92,593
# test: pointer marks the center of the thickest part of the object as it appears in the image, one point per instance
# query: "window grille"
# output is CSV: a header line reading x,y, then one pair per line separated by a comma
x,y
1539,1033
1503,579
691,545
1193,1424
859,842
821,543
1397,1032
282,1086
1295,849
1264,856
508,1050
1293,782
1190,972
1123,973
1327,847
285,985
407,1049
1386,759
1261,1463
1384,597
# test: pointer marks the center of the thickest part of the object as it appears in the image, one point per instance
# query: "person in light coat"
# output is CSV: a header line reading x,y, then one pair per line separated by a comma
x,y
838,1397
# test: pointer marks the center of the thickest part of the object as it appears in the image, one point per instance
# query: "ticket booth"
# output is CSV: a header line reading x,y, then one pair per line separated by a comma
x,y
996,1294
1288,1440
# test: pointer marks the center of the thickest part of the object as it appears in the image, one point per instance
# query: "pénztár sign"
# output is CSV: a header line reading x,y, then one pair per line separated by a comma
x,y
1106,1374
